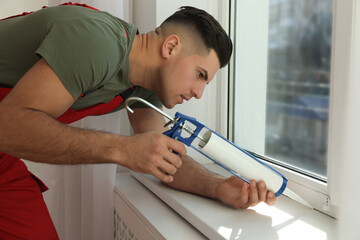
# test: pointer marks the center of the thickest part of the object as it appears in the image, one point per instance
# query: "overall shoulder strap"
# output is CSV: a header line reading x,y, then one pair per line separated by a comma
x,y
64,4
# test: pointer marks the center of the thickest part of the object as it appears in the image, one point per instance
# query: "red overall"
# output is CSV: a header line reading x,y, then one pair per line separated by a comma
x,y
23,212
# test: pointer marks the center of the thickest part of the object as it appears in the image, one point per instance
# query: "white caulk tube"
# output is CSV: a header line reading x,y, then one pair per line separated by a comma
x,y
232,157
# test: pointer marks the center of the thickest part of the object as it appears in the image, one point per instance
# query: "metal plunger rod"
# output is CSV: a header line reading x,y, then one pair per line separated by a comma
x,y
147,103
173,120
189,130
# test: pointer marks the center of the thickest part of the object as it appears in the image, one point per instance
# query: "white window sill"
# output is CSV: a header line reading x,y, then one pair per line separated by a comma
x,y
285,220
146,215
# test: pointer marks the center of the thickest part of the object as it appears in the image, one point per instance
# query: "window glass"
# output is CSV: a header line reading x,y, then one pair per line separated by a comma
x,y
297,83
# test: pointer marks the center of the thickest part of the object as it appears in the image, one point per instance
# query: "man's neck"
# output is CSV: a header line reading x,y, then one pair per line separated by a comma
x,y
143,60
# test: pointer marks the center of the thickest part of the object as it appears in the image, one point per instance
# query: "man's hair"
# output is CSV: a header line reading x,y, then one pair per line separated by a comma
x,y
206,26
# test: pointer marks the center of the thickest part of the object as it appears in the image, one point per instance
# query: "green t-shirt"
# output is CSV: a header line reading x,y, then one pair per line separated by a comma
x,y
87,49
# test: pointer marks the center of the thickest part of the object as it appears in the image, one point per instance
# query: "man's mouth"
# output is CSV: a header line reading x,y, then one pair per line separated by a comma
x,y
185,98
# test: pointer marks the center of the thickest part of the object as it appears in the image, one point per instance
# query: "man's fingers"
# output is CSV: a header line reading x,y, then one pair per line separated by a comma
x,y
177,147
270,198
162,176
173,158
262,191
244,197
253,196
167,168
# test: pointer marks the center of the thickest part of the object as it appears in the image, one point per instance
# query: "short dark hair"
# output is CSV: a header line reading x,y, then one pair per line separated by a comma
x,y
209,29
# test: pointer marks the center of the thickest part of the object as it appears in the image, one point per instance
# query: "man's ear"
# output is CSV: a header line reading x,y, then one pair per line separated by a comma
x,y
170,46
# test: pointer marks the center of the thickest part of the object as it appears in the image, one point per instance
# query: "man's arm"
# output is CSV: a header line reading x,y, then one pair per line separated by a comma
x,y
192,177
28,129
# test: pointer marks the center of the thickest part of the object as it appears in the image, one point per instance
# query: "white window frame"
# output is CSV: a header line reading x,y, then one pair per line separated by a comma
x,y
323,196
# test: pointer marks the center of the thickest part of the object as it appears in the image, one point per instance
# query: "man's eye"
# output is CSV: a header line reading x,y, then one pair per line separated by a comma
x,y
201,75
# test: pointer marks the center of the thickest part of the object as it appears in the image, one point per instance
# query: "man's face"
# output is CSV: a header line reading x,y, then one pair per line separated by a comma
x,y
184,77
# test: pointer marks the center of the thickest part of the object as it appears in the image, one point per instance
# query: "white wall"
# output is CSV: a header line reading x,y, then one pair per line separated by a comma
x,y
14,7
144,15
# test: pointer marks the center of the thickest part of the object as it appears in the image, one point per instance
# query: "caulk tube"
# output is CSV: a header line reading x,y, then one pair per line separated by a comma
x,y
232,157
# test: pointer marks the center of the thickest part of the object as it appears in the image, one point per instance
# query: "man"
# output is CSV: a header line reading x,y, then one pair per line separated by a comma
x,y
62,63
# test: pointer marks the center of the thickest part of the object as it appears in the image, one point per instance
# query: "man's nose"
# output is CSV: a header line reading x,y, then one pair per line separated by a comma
x,y
198,92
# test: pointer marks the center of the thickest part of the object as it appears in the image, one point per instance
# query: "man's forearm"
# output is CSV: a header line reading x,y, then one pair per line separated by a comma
x,y
194,178
35,136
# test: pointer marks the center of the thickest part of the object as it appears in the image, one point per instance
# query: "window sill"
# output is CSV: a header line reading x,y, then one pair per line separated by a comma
x,y
285,220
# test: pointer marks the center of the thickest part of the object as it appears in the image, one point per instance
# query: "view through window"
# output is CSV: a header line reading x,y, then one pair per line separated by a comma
x,y
297,101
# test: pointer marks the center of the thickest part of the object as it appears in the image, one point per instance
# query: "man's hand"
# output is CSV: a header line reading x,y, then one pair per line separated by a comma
x,y
153,153
236,193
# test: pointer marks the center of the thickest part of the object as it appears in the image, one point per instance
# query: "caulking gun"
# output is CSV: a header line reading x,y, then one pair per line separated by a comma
x,y
223,152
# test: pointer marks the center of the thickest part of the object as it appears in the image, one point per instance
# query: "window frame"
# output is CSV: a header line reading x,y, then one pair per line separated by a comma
x,y
323,196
